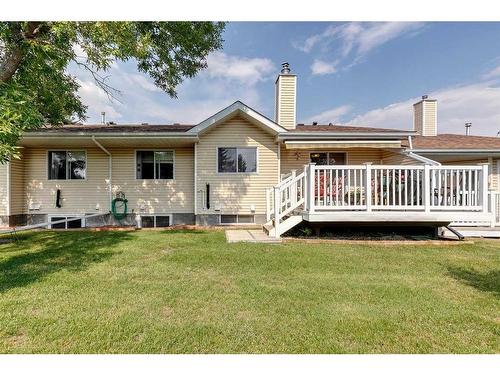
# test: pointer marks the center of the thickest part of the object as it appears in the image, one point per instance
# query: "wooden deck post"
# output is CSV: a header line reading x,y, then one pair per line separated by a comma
x,y
368,186
427,188
310,191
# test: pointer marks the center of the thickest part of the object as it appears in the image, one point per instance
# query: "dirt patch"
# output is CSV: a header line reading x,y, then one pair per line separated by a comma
x,y
377,241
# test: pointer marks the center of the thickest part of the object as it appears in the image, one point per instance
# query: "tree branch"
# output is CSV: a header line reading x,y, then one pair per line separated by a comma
x,y
13,55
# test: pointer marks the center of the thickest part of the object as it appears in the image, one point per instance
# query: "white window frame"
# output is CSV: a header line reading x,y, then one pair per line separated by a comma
x,y
237,173
65,216
237,219
154,165
346,155
47,167
154,219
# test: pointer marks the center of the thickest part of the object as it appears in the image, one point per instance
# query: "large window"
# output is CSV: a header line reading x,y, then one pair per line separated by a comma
x,y
67,165
328,158
237,160
155,165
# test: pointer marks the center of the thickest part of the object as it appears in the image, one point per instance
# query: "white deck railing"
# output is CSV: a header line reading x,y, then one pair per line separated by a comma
x,y
395,187
426,188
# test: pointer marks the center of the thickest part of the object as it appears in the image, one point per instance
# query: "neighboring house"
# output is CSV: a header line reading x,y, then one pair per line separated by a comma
x,y
239,167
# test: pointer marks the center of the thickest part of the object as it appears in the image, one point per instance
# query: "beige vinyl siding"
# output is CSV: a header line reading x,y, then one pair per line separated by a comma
x,y
235,192
425,117
4,189
394,158
78,196
495,176
296,159
285,100
156,196
430,118
418,117
17,187
83,196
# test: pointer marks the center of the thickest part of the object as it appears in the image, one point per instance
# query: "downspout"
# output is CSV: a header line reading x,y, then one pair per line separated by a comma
x,y
421,158
195,182
410,143
110,169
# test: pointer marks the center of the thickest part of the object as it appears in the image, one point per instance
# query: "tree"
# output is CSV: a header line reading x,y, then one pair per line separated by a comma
x,y
35,88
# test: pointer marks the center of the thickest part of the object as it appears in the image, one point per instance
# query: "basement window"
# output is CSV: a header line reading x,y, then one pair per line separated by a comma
x,y
73,224
156,221
237,219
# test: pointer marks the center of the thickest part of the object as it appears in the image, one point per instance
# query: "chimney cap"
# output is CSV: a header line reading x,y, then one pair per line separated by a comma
x,y
424,97
285,68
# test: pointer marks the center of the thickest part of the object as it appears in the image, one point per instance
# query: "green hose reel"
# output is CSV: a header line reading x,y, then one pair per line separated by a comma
x,y
119,206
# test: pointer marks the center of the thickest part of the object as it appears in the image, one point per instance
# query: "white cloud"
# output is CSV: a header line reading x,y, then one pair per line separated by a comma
x,y
351,41
320,67
492,73
476,103
226,79
97,101
332,115
245,70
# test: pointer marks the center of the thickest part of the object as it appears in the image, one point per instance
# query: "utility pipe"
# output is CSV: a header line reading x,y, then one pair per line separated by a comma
x,y
110,169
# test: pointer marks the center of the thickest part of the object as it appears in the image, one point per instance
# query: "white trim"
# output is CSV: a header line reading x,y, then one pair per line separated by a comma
x,y
154,165
65,150
229,111
195,181
237,173
170,216
339,142
279,162
498,175
277,97
456,151
9,192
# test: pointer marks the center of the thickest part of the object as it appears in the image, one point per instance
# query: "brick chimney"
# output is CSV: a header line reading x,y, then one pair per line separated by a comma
x,y
286,98
425,117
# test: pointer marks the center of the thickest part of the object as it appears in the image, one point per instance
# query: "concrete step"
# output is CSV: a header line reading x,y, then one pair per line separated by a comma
x,y
477,232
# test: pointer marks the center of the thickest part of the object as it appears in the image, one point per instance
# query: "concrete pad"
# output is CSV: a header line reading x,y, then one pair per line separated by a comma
x,y
249,235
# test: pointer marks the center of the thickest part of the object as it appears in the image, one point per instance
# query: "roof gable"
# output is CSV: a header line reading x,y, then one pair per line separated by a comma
x,y
235,109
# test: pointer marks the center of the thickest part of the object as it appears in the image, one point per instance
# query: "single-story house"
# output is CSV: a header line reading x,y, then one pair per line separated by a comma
x,y
240,167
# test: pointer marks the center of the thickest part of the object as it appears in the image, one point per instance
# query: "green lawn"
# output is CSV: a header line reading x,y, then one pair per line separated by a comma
x,y
190,292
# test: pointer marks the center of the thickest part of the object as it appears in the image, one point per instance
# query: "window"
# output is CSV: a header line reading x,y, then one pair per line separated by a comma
x,y
155,221
328,158
67,165
155,165
237,219
237,160
80,223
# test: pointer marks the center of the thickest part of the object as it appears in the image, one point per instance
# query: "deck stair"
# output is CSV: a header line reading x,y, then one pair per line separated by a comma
x,y
408,194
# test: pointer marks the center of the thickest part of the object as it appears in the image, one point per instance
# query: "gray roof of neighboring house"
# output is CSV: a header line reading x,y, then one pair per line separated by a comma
x,y
114,128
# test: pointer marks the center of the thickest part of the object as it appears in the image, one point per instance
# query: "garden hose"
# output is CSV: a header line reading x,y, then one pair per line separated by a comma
x,y
119,203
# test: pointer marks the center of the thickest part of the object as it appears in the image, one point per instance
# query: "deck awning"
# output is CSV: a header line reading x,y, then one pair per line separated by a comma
x,y
341,144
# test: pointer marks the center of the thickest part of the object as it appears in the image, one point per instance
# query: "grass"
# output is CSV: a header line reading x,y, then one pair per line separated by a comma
x,y
190,292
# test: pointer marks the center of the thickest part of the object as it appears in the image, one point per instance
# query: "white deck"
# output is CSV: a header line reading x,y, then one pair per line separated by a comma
x,y
416,194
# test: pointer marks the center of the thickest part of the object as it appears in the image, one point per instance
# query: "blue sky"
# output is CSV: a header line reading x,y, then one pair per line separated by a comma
x,y
367,74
